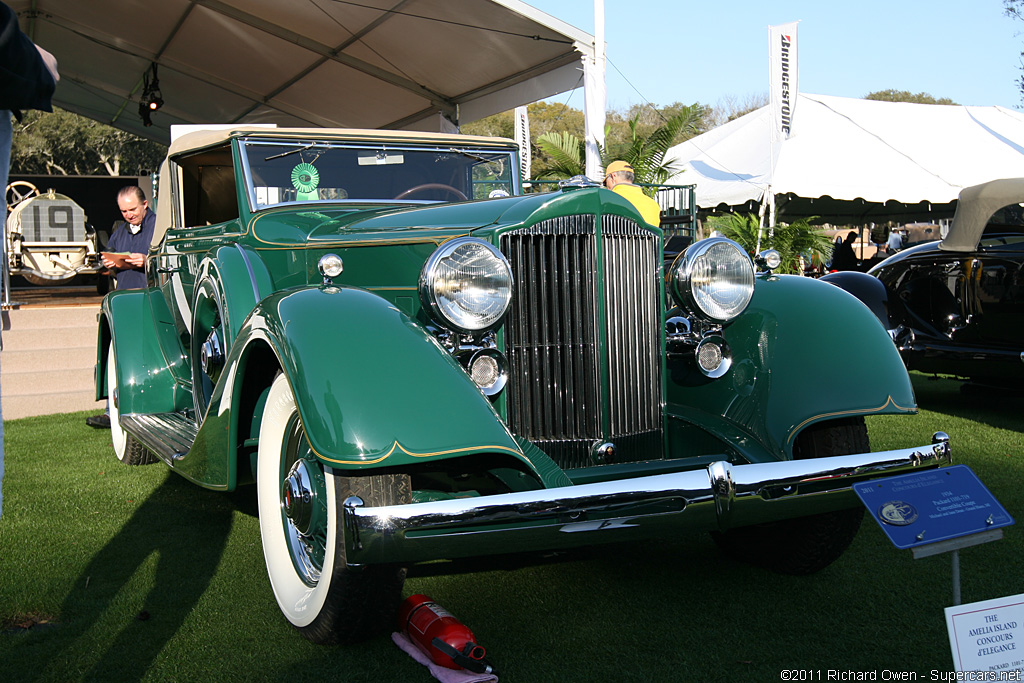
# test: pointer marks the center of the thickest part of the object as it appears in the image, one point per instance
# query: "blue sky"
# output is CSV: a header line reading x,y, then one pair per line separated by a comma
x,y
680,50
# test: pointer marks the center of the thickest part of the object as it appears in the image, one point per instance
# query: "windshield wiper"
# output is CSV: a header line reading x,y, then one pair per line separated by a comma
x,y
292,151
496,157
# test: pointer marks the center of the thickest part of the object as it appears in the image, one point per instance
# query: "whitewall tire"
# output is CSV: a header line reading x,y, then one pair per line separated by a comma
x,y
300,503
126,448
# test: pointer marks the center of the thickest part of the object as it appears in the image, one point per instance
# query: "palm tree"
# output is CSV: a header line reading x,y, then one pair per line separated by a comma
x,y
645,154
791,240
567,152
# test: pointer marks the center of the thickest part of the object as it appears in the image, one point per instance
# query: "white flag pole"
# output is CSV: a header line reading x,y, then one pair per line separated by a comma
x,y
595,96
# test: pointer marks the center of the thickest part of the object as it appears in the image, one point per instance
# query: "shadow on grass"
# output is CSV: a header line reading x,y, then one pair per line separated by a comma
x,y
186,530
1000,409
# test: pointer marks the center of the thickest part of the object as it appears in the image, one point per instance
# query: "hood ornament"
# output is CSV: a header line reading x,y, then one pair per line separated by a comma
x,y
577,182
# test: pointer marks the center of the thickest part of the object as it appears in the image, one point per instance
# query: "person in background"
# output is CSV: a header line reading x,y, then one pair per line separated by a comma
x,y
132,237
28,78
895,242
618,178
843,256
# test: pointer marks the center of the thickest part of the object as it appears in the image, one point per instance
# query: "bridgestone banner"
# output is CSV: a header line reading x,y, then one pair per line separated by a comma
x,y
522,133
783,74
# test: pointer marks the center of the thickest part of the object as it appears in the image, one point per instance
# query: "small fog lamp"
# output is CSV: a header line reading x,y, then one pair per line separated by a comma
x,y
485,371
488,370
713,356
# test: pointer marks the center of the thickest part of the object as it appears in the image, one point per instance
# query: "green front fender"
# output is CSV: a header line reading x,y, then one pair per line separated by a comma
x,y
803,352
145,375
373,388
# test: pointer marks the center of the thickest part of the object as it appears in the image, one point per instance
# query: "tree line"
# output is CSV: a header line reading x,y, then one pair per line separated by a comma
x,y
64,143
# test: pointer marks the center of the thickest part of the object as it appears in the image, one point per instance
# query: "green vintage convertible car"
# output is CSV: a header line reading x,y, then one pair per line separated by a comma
x,y
413,360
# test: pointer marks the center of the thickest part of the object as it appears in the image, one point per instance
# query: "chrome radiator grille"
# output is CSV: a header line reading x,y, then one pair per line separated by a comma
x,y
583,338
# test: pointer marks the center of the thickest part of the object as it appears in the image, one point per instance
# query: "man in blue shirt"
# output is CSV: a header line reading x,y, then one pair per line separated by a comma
x,y
894,243
132,237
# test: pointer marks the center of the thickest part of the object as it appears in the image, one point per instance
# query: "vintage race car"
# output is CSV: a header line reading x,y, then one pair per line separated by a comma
x,y
412,361
48,241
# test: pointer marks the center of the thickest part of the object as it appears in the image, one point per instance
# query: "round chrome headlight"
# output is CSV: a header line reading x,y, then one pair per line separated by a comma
x,y
714,279
466,285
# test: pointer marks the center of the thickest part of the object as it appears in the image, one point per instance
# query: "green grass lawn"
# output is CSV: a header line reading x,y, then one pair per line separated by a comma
x,y
116,573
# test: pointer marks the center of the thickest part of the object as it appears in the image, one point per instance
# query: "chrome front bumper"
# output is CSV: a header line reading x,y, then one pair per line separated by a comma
x,y
721,496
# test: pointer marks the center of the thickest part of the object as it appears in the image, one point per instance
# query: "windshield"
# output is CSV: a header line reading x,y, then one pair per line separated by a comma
x,y
285,172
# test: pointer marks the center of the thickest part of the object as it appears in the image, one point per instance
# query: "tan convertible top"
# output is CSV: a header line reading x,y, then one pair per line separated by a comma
x,y
209,138
977,204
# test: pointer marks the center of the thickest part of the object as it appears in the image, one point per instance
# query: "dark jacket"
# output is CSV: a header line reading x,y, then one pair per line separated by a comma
x,y
843,256
25,82
123,240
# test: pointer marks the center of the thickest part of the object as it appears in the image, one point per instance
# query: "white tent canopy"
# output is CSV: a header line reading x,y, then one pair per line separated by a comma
x,y
393,64
873,157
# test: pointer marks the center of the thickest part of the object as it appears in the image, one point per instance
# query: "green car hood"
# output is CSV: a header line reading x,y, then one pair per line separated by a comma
x,y
461,217
324,225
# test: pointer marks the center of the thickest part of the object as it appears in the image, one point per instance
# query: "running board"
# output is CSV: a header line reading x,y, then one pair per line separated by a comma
x,y
168,435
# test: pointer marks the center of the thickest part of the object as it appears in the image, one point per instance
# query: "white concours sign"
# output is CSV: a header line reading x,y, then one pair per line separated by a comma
x,y
988,635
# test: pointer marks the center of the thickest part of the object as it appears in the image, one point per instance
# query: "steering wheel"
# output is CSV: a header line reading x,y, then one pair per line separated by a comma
x,y
19,191
432,186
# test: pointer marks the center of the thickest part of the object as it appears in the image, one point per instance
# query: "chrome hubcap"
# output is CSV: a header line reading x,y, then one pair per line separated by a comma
x,y
303,506
297,497
211,354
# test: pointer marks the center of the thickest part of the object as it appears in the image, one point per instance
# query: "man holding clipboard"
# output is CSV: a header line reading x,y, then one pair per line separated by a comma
x,y
127,247
126,254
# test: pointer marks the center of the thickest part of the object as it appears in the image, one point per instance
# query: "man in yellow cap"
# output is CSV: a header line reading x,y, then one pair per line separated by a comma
x,y
618,178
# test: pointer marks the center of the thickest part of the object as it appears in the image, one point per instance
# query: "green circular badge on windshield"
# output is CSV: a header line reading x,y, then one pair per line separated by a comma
x,y
305,177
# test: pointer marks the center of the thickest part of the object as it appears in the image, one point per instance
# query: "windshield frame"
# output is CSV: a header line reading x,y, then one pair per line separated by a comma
x,y
507,154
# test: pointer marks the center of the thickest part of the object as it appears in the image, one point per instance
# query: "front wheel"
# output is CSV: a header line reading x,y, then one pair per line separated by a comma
x,y
804,545
300,506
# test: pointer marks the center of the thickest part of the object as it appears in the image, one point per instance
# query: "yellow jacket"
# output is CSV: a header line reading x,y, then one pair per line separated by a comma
x,y
647,207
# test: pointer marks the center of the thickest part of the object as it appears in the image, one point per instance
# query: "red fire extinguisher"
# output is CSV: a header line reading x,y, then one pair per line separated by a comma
x,y
447,641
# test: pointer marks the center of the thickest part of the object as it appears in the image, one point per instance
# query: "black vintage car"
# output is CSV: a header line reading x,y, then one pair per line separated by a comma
x,y
956,306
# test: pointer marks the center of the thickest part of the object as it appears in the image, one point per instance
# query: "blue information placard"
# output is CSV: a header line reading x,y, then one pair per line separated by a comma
x,y
937,505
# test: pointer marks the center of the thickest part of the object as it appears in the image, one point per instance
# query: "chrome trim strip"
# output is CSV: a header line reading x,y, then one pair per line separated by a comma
x,y
722,496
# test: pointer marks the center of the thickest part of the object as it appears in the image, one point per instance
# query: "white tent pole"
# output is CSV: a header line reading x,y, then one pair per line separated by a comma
x,y
595,96
772,138
760,216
